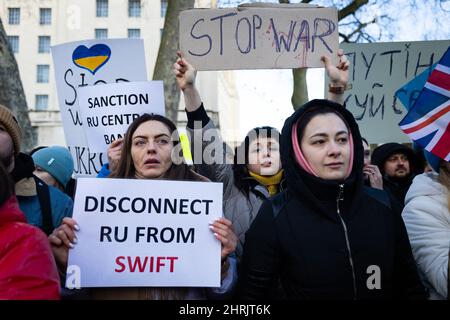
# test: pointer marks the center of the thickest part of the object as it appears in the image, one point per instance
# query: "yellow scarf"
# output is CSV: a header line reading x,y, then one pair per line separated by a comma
x,y
270,182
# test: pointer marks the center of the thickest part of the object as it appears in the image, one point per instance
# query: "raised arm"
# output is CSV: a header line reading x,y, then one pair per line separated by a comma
x,y
207,147
186,74
338,76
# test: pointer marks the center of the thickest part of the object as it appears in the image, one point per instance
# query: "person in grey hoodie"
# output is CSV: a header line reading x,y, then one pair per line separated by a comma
x,y
253,173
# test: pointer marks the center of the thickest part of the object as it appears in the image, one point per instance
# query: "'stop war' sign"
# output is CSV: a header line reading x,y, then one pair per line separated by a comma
x,y
258,37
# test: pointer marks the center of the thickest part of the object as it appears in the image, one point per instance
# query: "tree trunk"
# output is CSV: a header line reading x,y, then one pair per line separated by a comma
x,y
300,90
12,95
167,56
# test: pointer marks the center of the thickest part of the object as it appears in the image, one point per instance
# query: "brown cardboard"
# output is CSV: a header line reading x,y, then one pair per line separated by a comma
x,y
258,37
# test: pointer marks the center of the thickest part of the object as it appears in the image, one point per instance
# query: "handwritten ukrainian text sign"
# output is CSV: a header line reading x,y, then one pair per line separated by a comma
x,y
254,37
377,71
144,233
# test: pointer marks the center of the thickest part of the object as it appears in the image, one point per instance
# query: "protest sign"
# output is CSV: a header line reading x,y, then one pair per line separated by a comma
x,y
259,37
108,110
145,233
86,63
377,70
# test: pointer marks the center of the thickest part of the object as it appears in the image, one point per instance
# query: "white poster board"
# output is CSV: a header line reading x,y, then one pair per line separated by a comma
x,y
145,233
86,63
377,71
108,110
259,37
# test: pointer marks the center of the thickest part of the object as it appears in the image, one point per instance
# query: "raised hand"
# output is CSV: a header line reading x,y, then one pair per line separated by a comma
x,y
184,72
339,74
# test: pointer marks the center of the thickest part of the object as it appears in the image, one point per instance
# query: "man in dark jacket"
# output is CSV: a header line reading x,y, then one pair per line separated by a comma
x,y
398,165
44,206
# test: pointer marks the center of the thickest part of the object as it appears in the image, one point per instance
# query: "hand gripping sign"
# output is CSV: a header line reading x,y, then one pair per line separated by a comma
x,y
145,233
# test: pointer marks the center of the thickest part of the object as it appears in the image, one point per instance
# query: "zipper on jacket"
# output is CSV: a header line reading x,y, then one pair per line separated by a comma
x,y
340,197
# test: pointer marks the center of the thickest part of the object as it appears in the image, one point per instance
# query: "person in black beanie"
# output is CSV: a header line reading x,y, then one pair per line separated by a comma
x,y
398,165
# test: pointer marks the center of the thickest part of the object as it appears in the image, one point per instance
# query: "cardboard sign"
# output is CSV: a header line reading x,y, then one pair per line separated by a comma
x,y
145,233
87,63
258,37
377,71
108,110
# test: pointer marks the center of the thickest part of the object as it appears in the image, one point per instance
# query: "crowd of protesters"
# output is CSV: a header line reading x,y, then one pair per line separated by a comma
x,y
308,213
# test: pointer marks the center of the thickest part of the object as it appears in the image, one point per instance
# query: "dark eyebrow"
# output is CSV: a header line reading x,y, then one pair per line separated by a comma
x,y
324,135
156,137
161,135
143,137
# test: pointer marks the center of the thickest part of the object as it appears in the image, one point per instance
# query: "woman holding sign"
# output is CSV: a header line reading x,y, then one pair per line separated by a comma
x,y
148,152
326,236
256,172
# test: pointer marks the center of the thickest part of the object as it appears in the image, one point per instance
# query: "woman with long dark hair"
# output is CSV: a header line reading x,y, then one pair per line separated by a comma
x,y
149,152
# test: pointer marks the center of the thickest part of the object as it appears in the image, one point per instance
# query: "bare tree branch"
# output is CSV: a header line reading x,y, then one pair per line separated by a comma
x,y
345,37
351,8
361,26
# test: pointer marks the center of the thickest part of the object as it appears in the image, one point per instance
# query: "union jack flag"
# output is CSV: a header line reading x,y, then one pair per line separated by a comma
x,y
428,120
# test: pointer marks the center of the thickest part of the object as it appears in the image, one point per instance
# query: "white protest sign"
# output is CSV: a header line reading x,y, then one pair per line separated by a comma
x,y
145,233
377,71
108,110
259,37
86,63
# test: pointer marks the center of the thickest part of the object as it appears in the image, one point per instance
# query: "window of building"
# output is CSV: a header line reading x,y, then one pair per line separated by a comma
x,y
101,33
44,44
161,33
163,8
134,33
134,8
13,15
14,43
102,8
45,16
42,73
41,102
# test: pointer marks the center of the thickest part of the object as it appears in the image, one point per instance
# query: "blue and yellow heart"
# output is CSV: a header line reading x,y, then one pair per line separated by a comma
x,y
92,58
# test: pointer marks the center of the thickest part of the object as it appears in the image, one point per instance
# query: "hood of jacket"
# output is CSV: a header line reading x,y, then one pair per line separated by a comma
x,y
315,191
425,184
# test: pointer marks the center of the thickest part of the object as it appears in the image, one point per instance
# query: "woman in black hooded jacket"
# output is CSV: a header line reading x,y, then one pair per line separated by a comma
x,y
327,236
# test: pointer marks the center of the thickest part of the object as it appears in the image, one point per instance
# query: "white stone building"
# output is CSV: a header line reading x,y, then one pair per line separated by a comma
x,y
33,26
